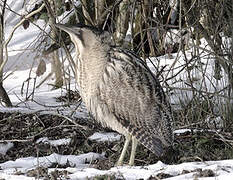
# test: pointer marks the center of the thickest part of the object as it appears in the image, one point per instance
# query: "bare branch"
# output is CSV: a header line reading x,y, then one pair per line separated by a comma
x,y
12,33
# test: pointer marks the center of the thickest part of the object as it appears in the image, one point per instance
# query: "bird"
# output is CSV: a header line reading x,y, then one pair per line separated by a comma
x,y
120,91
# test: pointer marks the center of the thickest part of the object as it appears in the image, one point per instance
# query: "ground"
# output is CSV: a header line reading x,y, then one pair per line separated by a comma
x,y
33,133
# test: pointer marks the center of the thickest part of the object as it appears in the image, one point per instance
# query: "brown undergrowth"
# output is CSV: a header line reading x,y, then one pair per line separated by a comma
x,y
23,130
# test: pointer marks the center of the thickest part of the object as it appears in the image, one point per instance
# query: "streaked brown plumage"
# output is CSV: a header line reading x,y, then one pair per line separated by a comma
x,y
121,92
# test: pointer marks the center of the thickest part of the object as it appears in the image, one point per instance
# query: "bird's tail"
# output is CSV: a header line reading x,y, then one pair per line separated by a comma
x,y
154,144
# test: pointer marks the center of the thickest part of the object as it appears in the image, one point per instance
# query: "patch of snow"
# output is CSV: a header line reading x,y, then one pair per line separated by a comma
x,y
15,177
4,147
57,142
32,162
181,131
87,173
200,76
222,170
103,137
214,122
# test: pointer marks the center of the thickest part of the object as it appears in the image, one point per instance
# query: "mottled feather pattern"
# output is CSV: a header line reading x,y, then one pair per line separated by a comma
x,y
143,109
120,90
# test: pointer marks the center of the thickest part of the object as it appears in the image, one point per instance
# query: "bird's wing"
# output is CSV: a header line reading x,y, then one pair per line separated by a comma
x,y
134,96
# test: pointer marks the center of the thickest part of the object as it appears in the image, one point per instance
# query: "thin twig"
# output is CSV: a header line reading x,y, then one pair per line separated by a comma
x,y
12,33
15,140
200,91
70,120
50,128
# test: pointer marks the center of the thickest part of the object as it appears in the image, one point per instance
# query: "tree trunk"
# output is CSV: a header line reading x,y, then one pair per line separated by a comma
x,y
122,22
3,94
147,8
87,12
57,69
99,10
56,64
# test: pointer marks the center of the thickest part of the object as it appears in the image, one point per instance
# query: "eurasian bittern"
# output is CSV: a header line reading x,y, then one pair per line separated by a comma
x,y
121,92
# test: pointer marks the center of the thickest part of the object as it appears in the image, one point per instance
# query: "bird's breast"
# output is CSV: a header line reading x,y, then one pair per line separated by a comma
x,y
88,77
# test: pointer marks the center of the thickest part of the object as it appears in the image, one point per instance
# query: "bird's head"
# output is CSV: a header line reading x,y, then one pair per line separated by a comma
x,y
86,38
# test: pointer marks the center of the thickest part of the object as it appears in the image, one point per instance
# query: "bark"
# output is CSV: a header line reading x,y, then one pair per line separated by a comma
x,y
99,10
87,12
3,94
56,64
57,69
122,22
147,8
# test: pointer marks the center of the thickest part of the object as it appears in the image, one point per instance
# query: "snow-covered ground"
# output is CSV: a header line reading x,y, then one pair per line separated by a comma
x,y
221,170
23,57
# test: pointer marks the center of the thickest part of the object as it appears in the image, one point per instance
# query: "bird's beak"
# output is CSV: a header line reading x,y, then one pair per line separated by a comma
x,y
75,36
64,28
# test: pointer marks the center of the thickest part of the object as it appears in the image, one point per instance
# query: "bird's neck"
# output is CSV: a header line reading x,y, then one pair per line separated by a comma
x,y
94,59
91,67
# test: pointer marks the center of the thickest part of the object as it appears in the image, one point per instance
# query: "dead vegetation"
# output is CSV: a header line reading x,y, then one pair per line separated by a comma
x,y
23,130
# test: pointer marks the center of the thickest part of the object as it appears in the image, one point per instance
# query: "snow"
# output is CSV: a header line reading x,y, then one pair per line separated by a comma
x,y
222,169
102,137
23,164
4,147
202,78
19,67
57,142
181,131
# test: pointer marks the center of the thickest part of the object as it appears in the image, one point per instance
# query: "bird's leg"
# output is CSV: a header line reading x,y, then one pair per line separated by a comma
x,y
127,140
133,151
